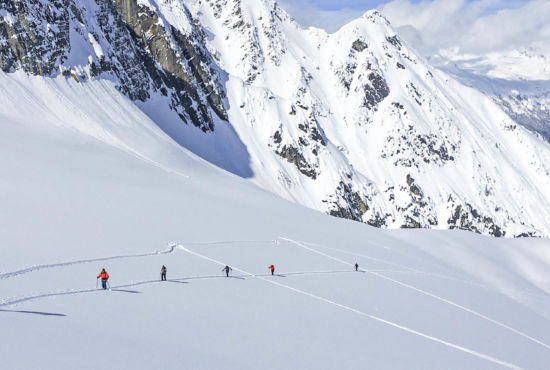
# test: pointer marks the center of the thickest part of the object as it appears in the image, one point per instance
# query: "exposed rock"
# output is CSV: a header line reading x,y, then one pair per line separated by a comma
x,y
408,148
147,31
294,155
142,54
376,91
349,203
359,45
394,40
37,38
468,218
414,188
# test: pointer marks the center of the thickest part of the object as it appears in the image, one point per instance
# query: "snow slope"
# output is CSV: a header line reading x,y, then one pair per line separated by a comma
x,y
90,181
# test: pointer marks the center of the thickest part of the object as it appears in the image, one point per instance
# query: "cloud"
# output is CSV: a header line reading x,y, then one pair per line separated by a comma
x,y
432,26
477,27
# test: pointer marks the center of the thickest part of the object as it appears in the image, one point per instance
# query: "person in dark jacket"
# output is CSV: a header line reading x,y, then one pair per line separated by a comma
x,y
227,269
356,266
163,273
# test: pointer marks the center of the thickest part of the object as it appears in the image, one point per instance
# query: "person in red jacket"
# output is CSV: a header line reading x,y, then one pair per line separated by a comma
x,y
104,277
272,268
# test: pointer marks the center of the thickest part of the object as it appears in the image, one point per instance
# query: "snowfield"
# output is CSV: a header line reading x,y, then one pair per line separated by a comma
x,y
89,181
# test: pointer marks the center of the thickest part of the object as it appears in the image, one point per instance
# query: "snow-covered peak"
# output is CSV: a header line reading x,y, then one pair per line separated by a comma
x,y
375,16
359,126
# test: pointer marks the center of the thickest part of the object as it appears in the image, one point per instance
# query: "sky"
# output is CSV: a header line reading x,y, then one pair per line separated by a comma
x,y
370,4
465,26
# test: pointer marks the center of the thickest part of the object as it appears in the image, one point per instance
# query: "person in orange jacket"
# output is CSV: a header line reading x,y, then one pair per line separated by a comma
x,y
272,268
104,277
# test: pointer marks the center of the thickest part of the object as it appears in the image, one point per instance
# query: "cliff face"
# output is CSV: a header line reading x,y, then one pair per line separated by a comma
x,y
353,124
124,40
34,35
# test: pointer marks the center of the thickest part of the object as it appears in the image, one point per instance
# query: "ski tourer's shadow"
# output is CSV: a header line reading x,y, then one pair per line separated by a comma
x,y
126,291
185,280
35,312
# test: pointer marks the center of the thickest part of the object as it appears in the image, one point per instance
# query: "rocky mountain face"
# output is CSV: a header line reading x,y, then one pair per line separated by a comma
x,y
120,39
353,124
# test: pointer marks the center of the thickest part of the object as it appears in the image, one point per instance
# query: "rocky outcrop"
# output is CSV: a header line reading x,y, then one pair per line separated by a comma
x,y
130,41
34,35
350,205
376,91
468,218
294,154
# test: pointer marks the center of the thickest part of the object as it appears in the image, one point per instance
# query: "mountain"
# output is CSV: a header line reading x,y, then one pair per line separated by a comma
x,y
354,124
90,182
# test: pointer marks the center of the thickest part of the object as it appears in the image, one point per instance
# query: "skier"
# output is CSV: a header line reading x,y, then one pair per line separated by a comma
x,y
163,273
227,269
104,277
272,268
356,267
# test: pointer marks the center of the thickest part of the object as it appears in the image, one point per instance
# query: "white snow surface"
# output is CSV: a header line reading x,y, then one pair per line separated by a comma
x,y
89,182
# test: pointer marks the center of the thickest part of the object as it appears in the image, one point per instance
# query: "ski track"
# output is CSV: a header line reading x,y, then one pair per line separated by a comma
x,y
18,300
376,318
231,242
441,276
12,274
170,250
421,272
405,285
